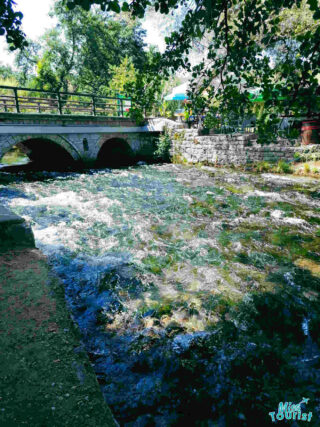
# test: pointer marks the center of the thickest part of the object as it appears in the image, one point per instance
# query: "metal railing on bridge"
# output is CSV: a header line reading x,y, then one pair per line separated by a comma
x,y
26,100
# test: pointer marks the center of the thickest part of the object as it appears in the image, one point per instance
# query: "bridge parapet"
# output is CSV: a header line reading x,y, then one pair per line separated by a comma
x,y
64,120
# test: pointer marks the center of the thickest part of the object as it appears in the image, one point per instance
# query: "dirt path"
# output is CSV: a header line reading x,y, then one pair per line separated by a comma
x,y
46,378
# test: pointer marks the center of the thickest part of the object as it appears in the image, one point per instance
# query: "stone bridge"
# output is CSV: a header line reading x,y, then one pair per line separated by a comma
x,y
59,140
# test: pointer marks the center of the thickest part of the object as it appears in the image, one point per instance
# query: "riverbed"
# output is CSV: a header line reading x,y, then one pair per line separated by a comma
x,y
196,290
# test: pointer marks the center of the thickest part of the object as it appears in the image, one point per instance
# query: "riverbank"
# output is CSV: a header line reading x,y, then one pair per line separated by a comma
x,y
46,377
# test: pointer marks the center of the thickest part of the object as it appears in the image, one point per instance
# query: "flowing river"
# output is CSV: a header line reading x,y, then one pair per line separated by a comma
x,y
196,290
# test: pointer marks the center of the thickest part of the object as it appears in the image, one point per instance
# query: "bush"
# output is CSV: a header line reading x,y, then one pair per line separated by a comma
x,y
211,121
267,127
263,166
306,168
137,115
283,167
309,154
163,146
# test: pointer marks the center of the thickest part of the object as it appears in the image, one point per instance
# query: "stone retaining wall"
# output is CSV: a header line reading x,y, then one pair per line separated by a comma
x,y
15,233
236,149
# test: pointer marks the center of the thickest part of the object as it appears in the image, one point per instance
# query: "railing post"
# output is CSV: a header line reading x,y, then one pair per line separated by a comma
x,y
59,104
121,105
5,106
93,105
16,99
118,104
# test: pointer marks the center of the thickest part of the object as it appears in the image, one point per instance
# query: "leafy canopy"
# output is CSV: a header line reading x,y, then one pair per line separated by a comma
x,y
243,36
273,45
83,52
10,23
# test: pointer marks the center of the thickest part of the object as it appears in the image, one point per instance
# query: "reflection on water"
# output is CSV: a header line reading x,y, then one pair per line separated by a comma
x,y
189,286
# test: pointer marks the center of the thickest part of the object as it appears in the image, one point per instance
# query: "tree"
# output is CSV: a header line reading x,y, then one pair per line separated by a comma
x,y
26,62
56,63
6,72
82,52
86,46
146,90
122,75
10,22
242,33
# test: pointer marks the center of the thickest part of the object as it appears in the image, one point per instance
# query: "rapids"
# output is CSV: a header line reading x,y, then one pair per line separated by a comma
x,y
196,290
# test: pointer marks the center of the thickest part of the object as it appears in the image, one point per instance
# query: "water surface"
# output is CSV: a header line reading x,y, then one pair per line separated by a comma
x,y
196,290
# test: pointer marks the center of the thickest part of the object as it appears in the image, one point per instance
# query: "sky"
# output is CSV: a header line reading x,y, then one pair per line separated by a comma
x,y
36,20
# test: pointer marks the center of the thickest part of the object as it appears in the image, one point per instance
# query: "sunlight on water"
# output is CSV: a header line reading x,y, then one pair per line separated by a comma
x,y
158,260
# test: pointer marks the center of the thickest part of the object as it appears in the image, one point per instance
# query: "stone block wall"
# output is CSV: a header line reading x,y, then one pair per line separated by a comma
x,y
235,149
64,120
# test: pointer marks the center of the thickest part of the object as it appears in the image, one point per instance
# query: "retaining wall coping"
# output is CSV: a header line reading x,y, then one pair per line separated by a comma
x,y
6,216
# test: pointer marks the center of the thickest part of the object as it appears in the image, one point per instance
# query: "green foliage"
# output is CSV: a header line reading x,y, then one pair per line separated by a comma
x,y
137,115
55,64
306,168
87,51
263,166
26,61
137,8
283,167
15,155
6,73
211,121
146,88
8,81
103,43
122,75
308,154
163,145
247,34
290,133
267,128
168,108
10,25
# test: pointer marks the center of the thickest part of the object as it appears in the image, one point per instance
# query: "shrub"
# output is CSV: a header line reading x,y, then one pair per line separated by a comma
x,y
211,121
163,146
137,115
267,126
263,166
306,168
310,154
283,167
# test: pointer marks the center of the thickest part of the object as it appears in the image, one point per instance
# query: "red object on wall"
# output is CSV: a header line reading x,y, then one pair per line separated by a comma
x,y
310,132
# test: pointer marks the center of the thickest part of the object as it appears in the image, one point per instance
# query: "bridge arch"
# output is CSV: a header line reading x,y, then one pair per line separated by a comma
x,y
48,151
115,151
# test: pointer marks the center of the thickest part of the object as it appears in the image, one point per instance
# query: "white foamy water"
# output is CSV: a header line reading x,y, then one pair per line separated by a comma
x,y
150,258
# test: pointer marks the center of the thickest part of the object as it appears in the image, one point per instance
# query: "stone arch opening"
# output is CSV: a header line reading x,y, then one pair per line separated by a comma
x,y
47,154
115,152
